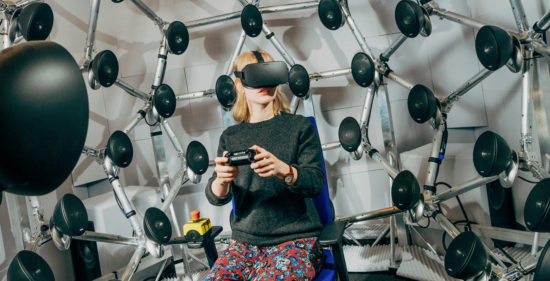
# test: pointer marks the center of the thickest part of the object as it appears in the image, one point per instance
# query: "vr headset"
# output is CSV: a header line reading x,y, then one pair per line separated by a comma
x,y
263,74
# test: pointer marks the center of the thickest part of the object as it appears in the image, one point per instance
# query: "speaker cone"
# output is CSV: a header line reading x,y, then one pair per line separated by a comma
x,y
421,103
409,17
537,207
70,215
330,14
251,20
349,134
494,47
120,149
164,100
157,226
298,80
177,37
105,68
197,157
35,21
362,69
466,256
28,266
405,190
491,154
225,91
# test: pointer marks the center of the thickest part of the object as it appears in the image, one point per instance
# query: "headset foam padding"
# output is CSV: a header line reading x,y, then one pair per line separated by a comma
x,y
164,100
251,20
542,271
225,91
35,21
44,108
157,226
409,18
177,36
70,216
349,134
362,69
466,256
405,190
491,154
298,80
197,157
421,103
330,14
105,68
29,266
537,207
120,149
494,47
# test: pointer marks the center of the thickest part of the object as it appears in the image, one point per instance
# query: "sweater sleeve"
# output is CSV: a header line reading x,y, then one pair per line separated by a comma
x,y
212,198
309,164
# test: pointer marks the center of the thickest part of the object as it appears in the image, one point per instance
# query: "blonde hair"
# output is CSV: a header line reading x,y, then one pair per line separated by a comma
x,y
241,112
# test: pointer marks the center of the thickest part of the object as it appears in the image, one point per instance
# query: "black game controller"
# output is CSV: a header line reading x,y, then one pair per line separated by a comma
x,y
240,157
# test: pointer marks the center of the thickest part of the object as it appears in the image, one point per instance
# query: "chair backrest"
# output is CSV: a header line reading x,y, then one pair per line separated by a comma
x,y
322,201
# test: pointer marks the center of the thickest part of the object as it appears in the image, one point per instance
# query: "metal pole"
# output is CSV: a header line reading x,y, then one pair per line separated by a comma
x,y
236,52
173,139
106,238
543,23
541,49
394,77
270,35
90,38
136,120
519,15
161,63
467,86
196,95
392,172
381,236
534,247
133,264
465,187
127,206
526,140
371,215
385,56
358,36
328,74
431,172
330,145
367,109
444,14
211,20
130,90
6,42
149,13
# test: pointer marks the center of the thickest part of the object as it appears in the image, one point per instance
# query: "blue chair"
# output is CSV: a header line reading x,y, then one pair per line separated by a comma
x,y
331,235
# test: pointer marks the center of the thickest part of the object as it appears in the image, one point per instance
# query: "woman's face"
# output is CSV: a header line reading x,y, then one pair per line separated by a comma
x,y
261,96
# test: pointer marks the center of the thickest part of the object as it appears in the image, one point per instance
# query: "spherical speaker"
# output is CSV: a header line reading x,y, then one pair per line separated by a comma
x,y
197,157
177,37
409,18
105,68
225,91
164,100
44,108
120,149
157,226
362,69
29,266
494,47
70,216
537,207
330,14
35,21
405,190
466,256
491,154
542,270
298,80
251,20
421,103
349,134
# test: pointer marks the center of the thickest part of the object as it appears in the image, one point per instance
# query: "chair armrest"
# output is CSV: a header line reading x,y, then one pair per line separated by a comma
x,y
332,233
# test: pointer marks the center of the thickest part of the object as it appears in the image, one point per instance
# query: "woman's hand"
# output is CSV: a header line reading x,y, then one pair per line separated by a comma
x,y
224,173
267,164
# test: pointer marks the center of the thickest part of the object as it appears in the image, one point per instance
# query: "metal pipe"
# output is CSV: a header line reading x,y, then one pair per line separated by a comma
x,y
90,152
431,172
467,86
130,90
519,15
444,14
270,35
24,3
106,238
133,264
6,42
535,247
371,215
465,187
244,2
211,20
374,154
526,140
172,136
330,145
394,77
149,13
541,49
161,63
289,7
236,52
385,56
356,32
136,120
543,23
381,236
196,95
523,268
90,38
328,74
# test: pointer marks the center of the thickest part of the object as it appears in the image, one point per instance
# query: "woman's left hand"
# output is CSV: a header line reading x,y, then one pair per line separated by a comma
x,y
267,164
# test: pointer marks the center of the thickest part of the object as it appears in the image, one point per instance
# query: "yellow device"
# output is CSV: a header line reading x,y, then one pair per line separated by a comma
x,y
194,229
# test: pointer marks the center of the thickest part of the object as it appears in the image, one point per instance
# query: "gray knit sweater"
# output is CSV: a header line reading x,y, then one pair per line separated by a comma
x,y
266,211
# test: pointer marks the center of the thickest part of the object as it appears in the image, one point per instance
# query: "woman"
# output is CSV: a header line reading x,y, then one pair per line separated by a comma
x,y
274,222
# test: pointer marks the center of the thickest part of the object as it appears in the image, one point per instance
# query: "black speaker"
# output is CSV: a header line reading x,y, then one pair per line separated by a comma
x,y
537,207
29,266
164,100
491,155
409,18
157,226
35,21
330,14
251,20
501,208
177,37
494,47
362,69
197,157
349,134
421,103
466,256
298,80
105,68
85,258
120,149
225,91
70,216
405,190
542,271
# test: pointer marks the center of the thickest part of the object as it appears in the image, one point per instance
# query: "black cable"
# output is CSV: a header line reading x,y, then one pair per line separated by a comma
x,y
427,225
469,227
529,181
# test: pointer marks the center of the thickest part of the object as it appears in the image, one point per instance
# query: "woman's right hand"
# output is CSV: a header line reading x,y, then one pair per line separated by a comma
x,y
225,173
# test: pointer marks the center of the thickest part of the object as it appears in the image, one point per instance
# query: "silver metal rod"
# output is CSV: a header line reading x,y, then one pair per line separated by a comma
x,y
330,145
136,120
172,194
289,7
269,34
393,47
430,247
24,3
196,95
133,264
511,235
526,140
544,22
356,32
90,152
149,13
236,53
467,86
211,20
328,74
6,42
519,15
393,259
444,14
92,24
465,187
537,171
132,91
381,236
106,238
542,49
394,77
523,268
535,246
172,136
366,112
371,215
385,164
431,172
161,63
244,2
